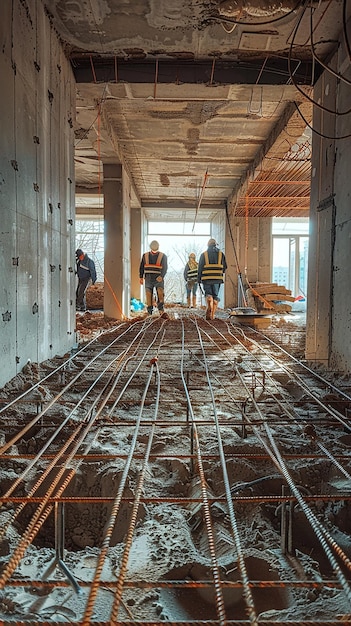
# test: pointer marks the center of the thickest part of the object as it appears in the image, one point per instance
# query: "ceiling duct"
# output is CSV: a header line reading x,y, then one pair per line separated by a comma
x,y
255,8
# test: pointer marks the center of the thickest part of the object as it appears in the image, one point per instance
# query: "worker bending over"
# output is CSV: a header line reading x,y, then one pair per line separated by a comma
x,y
212,265
153,268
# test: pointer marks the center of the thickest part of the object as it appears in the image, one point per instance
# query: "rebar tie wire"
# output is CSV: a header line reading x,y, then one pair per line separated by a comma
x,y
68,442
44,508
323,536
321,533
42,513
116,504
136,503
62,366
241,561
206,506
7,445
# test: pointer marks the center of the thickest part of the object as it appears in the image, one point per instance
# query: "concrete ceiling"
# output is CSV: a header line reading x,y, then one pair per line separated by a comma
x,y
205,102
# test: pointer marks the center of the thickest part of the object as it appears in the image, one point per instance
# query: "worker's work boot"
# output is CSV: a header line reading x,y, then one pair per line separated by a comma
x,y
188,302
194,302
209,309
214,308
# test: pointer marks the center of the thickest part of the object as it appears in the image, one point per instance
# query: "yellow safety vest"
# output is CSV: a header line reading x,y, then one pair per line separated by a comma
x,y
213,270
192,274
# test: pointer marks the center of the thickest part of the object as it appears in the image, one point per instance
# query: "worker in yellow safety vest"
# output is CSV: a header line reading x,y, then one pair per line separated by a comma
x,y
212,266
190,277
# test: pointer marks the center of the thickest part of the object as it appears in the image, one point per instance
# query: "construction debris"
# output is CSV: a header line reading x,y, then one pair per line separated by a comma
x,y
95,296
270,296
249,316
170,471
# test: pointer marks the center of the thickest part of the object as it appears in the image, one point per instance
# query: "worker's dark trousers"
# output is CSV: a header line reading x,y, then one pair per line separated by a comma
x,y
81,304
150,285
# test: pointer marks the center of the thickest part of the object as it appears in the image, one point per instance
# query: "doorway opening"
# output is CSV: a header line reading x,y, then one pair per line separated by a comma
x,y
90,238
177,240
290,239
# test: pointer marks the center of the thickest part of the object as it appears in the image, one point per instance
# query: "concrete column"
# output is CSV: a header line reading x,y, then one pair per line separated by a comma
x,y
324,215
135,251
252,244
117,264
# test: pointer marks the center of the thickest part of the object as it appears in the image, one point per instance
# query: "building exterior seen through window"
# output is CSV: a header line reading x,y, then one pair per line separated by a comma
x,y
290,254
90,238
176,239
290,239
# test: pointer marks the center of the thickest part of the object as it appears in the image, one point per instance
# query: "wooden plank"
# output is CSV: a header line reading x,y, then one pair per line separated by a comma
x,y
263,287
272,289
275,296
257,322
282,308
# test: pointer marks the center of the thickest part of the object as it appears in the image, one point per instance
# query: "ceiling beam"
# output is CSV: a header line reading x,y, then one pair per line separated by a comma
x,y
176,205
98,69
155,205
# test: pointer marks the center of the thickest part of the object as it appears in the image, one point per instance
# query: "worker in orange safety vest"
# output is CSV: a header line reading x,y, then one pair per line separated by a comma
x,y
152,270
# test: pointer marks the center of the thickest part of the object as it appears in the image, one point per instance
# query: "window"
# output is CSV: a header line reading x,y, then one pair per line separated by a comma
x,y
290,254
90,238
177,240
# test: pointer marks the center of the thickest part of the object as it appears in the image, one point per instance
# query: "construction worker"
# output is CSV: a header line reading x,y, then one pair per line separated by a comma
x,y
212,265
190,277
86,273
153,268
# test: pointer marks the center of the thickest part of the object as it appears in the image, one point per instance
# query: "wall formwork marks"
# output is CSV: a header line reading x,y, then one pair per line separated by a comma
x,y
328,328
37,107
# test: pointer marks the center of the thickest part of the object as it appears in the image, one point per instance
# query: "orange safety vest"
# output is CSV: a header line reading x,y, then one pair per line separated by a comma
x,y
213,270
153,268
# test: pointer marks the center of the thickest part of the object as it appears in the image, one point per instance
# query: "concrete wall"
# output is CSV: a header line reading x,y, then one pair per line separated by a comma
x,y
328,337
126,244
37,105
135,251
248,252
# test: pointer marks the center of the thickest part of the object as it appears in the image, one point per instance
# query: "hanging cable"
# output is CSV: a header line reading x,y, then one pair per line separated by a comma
x,y
246,252
241,291
314,102
316,132
200,198
223,18
156,78
321,63
99,147
99,193
123,317
92,68
246,232
344,27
